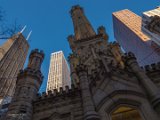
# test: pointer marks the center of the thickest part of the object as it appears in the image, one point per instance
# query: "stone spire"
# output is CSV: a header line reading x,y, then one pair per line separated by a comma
x,y
82,27
29,81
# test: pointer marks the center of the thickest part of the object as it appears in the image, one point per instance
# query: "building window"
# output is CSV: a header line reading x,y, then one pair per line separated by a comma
x,y
126,113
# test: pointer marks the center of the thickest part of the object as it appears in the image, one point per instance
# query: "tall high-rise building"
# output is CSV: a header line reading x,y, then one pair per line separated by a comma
x,y
12,58
127,31
59,74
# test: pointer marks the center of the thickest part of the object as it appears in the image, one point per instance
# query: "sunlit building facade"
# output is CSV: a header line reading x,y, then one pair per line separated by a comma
x,y
127,31
59,74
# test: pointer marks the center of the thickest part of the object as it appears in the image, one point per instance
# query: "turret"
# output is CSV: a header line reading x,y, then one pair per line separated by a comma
x,y
29,81
35,59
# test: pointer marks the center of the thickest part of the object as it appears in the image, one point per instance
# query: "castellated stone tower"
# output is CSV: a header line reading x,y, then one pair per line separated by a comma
x,y
113,86
28,83
107,84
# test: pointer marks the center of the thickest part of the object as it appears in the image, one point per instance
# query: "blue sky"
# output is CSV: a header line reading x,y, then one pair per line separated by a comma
x,y
51,23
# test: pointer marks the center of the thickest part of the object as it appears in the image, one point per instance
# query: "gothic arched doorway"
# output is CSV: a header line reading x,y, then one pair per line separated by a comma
x,y
126,113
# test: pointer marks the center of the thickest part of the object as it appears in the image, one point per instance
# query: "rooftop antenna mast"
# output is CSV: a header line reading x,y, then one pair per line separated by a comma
x,y
29,35
23,29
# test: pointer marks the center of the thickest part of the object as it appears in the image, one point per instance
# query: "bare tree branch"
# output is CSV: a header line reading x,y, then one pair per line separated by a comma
x,y
6,31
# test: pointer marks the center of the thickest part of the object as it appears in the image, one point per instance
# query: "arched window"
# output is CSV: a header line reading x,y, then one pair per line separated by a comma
x,y
126,113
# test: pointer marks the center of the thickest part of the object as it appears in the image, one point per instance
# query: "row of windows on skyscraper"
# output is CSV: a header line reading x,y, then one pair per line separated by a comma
x,y
59,74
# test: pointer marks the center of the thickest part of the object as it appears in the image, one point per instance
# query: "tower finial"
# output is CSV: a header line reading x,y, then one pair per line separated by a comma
x,y
82,26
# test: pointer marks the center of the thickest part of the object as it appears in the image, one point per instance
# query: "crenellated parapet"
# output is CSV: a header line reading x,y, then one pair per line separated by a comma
x,y
63,101
37,53
35,59
130,58
153,72
152,67
30,72
61,92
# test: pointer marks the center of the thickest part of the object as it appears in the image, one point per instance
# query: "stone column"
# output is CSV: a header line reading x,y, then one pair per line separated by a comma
x,y
73,60
88,106
151,89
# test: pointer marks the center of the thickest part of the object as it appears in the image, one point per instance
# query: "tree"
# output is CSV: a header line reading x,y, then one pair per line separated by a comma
x,y
6,31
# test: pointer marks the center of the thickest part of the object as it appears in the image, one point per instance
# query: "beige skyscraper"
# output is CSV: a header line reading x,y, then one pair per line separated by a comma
x,y
59,74
12,58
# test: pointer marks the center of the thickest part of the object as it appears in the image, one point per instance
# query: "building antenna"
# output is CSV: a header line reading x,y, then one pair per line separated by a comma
x,y
29,35
23,29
